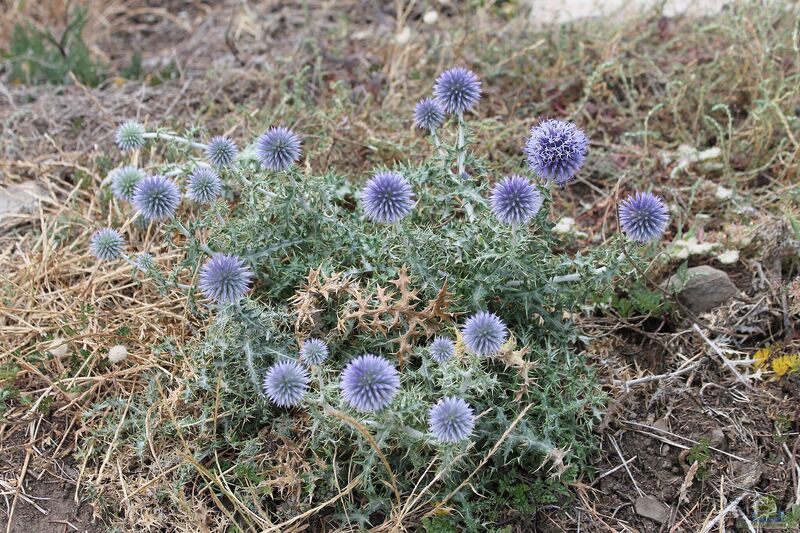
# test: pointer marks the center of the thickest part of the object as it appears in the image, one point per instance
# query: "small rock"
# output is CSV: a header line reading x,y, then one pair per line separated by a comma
x,y
716,439
747,475
706,288
430,17
19,197
649,507
117,353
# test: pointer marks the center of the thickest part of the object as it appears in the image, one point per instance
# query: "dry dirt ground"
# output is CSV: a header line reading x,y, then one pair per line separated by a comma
x,y
706,439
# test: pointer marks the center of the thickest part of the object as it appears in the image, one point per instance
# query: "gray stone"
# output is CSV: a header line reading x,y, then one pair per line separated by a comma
x,y
706,288
651,508
19,197
747,475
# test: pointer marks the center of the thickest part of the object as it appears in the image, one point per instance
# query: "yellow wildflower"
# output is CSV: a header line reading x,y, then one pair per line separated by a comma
x,y
761,357
786,364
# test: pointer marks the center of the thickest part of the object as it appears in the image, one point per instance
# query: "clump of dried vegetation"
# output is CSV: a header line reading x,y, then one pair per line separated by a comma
x,y
705,111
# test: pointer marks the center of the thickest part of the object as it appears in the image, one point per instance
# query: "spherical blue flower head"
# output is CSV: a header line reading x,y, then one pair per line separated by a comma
x,y
106,244
314,351
451,420
387,197
286,383
556,150
156,197
225,278
515,200
643,216
442,349
428,115
145,262
124,181
457,90
278,149
130,136
221,151
204,185
484,333
369,383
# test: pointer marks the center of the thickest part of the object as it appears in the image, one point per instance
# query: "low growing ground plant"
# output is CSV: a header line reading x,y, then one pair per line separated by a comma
x,y
393,353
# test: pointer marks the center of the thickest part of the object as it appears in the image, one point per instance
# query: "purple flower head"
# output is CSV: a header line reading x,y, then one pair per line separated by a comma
x,y
106,244
286,383
314,351
556,150
204,185
442,349
515,200
124,181
225,278
145,261
451,420
428,115
278,148
484,333
387,197
457,90
156,197
221,151
643,216
130,136
369,383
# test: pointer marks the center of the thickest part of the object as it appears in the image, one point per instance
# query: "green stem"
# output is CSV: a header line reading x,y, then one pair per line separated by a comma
x,y
462,151
189,235
248,354
175,138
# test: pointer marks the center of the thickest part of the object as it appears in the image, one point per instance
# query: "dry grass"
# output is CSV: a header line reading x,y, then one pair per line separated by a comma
x,y
642,89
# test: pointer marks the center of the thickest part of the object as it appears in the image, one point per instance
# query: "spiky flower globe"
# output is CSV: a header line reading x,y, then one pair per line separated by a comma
x,y
556,150
643,216
221,151
369,383
145,261
278,148
130,136
387,197
451,420
156,197
314,351
204,185
457,90
515,200
225,278
428,115
106,244
442,349
124,181
484,333
286,383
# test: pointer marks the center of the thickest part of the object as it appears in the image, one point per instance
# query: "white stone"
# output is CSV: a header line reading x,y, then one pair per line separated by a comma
x,y
404,36
723,193
430,17
58,348
728,257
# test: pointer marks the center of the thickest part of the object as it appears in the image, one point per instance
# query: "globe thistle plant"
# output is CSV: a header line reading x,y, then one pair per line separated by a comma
x,y
428,115
643,216
442,349
286,383
484,333
314,351
515,200
387,197
369,383
556,150
225,278
106,244
278,148
156,197
221,151
130,136
451,420
204,185
145,261
457,90
124,181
